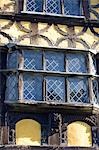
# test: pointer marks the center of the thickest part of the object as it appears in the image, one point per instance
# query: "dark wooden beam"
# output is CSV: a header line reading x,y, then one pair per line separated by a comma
x,y
20,5
50,19
51,107
85,4
13,147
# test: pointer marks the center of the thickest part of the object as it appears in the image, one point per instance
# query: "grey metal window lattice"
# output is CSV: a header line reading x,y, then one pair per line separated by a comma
x,y
12,87
32,87
53,6
75,63
78,91
54,61
12,60
31,60
55,89
72,7
34,5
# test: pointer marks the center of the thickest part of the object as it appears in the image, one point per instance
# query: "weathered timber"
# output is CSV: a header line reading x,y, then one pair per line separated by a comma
x,y
56,19
45,148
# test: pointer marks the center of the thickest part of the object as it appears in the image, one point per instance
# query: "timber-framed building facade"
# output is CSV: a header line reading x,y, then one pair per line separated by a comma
x,y
49,74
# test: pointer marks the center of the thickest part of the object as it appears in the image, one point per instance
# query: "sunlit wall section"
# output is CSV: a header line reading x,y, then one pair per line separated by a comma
x,y
79,134
28,132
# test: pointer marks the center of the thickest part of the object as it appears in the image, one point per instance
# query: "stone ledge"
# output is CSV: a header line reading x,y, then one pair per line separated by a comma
x,y
11,147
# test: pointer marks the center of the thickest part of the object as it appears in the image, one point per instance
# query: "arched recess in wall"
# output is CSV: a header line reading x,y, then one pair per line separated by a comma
x,y
79,134
28,132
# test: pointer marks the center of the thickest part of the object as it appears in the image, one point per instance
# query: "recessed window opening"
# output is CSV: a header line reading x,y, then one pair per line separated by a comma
x,y
65,7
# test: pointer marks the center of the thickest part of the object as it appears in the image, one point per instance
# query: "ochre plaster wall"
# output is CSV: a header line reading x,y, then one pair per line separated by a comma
x,y
94,2
79,134
7,6
28,132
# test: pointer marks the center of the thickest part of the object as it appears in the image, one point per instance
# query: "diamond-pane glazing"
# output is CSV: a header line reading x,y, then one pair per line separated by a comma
x,y
32,87
12,88
75,63
72,7
95,92
34,5
53,6
12,60
78,91
54,61
55,89
33,60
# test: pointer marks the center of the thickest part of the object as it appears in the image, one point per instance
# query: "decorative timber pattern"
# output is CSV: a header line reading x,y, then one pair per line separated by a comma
x,y
26,33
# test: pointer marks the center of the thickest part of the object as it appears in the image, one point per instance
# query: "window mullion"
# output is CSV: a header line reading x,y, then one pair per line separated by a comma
x,y
85,5
44,61
89,63
44,89
62,7
81,7
90,90
44,6
25,5
92,64
21,5
21,88
21,60
66,77
66,62
44,80
67,90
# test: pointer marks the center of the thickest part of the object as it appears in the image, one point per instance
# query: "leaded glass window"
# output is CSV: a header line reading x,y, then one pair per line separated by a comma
x,y
67,7
32,87
76,63
77,90
12,87
95,92
72,7
34,5
53,6
48,78
12,60
54,61
33,60
55,89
